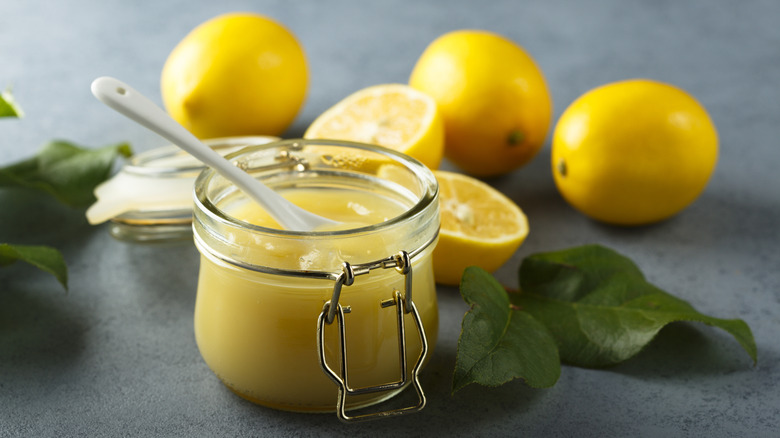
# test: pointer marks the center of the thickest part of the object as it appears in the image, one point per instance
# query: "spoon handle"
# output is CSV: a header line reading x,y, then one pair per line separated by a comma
x,y
132,104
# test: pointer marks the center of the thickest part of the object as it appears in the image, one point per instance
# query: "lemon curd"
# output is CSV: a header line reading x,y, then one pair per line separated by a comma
x,y
261,290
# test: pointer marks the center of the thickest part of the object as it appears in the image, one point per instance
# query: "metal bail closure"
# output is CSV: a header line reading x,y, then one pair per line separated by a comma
x,y
403,304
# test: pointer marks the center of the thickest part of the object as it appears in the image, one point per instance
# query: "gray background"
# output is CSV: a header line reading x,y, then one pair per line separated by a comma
x,y
116,354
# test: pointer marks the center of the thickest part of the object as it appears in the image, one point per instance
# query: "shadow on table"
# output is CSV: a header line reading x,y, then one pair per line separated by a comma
x,y
164,275
684,350
35,218
681,352
35,332
468,410
41,327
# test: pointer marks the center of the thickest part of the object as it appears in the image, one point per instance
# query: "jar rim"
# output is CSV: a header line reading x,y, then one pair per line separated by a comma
x,y
147,163
421,172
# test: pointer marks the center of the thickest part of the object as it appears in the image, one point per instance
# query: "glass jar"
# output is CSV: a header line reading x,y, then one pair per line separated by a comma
x,y
325,320
150,198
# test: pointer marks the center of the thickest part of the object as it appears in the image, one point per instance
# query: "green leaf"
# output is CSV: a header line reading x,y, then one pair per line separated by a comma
x,y
8,106
498,344
601,309
66,171
43,257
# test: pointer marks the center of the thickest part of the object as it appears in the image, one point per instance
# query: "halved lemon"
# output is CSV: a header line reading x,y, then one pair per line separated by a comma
x,y
480,226
392,115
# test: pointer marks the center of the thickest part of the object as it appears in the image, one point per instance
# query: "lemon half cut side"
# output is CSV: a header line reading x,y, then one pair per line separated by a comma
x,y
480,226
390,115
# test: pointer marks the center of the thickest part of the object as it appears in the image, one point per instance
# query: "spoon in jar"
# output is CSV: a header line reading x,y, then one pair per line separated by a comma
x,y
133,105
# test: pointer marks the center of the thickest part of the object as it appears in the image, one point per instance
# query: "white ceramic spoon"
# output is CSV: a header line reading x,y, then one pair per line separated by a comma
x,y
132,104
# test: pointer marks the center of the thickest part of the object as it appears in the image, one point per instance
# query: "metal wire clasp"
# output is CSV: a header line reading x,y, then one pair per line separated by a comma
x,y
333,311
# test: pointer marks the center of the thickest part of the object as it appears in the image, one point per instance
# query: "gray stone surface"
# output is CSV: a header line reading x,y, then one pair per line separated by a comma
x,y
116,354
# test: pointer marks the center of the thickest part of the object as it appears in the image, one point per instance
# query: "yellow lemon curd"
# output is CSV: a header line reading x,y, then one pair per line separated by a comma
x,y
257,329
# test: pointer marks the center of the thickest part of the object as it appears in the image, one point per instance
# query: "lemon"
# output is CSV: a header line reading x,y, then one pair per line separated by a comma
x,y
493,99
236,74
480,226
633,152
391,115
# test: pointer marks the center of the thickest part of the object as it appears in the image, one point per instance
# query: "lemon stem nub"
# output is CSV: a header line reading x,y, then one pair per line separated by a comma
x,y
515,138
562,168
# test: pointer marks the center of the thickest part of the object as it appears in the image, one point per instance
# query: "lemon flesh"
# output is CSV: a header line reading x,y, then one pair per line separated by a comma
x,y
390,115
480,226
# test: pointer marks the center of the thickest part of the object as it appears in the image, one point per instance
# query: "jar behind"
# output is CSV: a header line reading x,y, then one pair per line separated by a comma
x,y
150,198
261,290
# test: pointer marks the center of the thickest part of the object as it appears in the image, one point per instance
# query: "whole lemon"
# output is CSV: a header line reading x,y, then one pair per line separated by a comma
x,y
492,96
633,152
236,74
